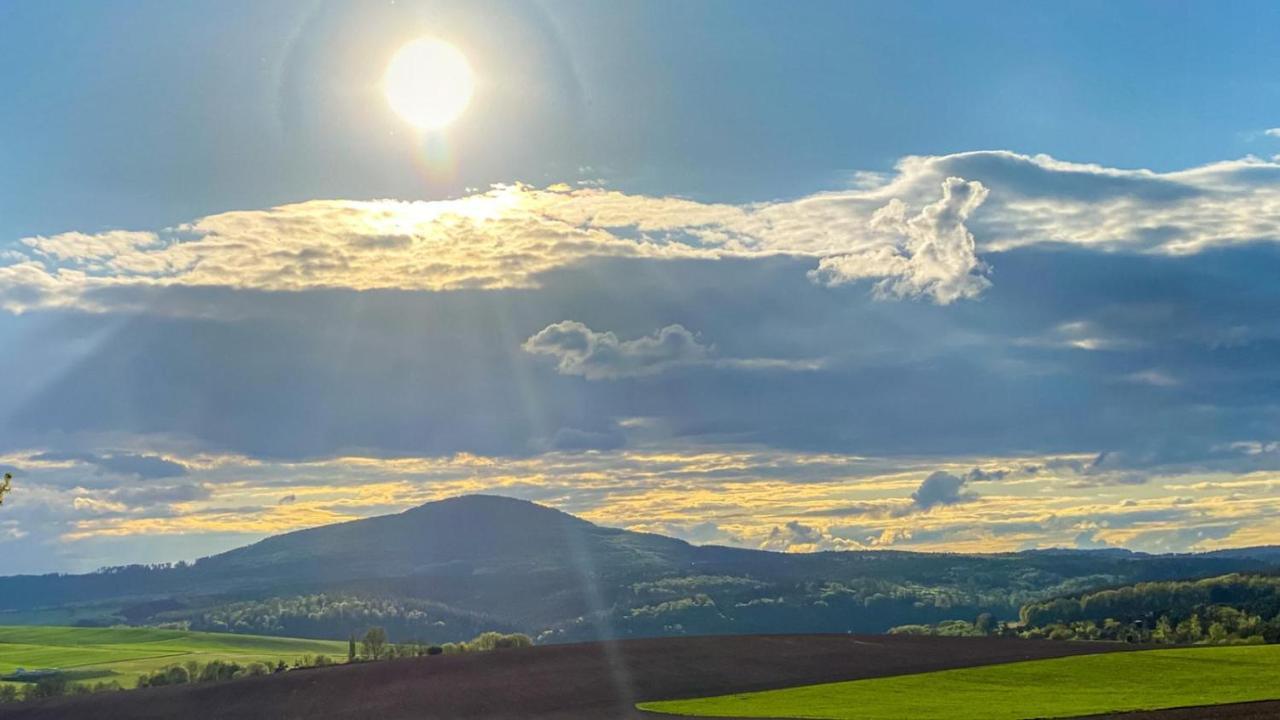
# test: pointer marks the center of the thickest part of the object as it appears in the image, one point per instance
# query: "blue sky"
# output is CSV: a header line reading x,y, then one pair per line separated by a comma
x,y
133,114
723,270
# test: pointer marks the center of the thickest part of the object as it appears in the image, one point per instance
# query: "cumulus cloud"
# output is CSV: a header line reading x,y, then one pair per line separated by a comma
x,y
940,488
1272,132
1089,540
579,350
796,536
934,257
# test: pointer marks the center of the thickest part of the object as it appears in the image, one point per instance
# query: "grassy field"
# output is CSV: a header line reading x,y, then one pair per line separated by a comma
x,y
122,654
1064,687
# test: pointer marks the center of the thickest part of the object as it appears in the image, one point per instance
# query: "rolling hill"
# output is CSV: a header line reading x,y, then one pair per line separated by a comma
x,y
124,654
1055,688
446,569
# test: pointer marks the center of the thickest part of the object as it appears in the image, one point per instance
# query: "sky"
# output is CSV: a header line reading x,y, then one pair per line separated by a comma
x,y
828,275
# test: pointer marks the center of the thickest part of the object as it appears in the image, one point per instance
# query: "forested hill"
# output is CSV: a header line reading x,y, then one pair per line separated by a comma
x,y
445,569
1235,607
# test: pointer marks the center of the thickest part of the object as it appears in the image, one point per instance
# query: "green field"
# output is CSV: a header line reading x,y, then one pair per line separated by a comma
x,y
1063,687
122,654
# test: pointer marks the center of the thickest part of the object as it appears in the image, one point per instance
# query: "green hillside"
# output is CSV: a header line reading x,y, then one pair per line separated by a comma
x,y
123,654
1064,687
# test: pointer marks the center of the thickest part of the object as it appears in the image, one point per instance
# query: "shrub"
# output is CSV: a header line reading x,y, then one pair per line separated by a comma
x,y
108,686
498,641
216,670
47,687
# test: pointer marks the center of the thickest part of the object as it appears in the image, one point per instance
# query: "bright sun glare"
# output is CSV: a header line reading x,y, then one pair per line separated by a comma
x,y
428,83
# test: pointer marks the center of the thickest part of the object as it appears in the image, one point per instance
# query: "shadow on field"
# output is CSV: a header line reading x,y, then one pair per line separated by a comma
x,y
589,681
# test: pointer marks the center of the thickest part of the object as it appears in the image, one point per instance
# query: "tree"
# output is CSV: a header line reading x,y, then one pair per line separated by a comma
x,y
51,686
374,643
1194,630
1164,632
215,670
351,648
984,624
5,486
177,675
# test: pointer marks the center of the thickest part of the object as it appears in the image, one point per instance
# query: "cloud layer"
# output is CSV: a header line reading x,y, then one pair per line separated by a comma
x,y
919,232
745,496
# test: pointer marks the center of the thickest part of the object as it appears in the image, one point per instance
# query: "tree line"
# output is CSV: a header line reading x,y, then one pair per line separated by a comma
x,y
323,615
1229,609
373,646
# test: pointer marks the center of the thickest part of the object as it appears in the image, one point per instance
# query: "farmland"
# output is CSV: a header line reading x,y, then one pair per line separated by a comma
x,y
123,654
1061,687
587,681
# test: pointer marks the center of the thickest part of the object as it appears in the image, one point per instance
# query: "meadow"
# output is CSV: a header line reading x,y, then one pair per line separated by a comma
x,y
1062,687
123,654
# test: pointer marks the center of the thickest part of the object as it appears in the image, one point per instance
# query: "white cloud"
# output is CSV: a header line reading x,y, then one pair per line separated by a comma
x,y
579,350
892,228
936,256
795,536
1272,132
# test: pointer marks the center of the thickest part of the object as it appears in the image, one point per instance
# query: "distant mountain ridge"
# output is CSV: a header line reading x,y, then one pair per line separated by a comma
x,y
448,567
461,534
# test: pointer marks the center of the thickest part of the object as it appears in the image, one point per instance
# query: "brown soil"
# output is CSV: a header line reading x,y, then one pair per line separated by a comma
x,y
1266,710
590,681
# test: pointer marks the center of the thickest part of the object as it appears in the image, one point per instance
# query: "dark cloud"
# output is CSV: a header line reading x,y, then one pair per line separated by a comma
x,y
160,495
321,373
980,475
940,488
147,467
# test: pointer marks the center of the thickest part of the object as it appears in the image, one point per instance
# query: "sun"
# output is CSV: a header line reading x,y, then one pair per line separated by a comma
x,y
428,83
